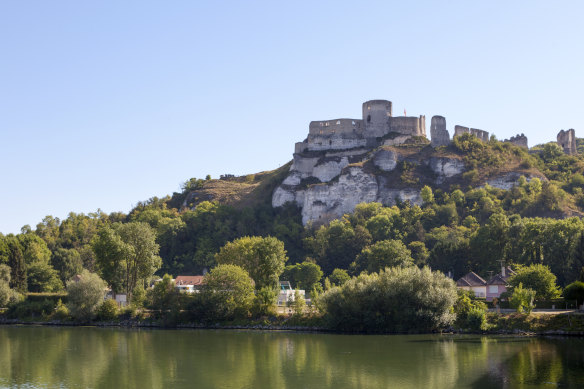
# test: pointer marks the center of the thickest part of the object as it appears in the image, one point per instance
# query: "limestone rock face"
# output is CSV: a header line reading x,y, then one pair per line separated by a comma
x,y
282,196
446,167
326,202
385,160
509,180
438,132
330,169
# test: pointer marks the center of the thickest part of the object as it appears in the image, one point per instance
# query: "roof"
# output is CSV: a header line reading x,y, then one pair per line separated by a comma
x,y
499,279
471,279
188,280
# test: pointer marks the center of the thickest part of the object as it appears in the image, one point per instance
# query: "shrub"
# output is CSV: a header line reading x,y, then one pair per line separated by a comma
x,y
227,293
395,300
61,312
470,312
265,301
522,299
476,319
8,296
31,309
297,303
108,310
575,291
85,296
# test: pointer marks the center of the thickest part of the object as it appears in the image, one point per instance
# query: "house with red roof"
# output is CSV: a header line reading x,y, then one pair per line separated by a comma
x,y
474,283
188,284
498,284
486,289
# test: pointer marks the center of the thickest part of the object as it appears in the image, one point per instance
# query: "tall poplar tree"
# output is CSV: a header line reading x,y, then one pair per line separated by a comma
x,y
18,267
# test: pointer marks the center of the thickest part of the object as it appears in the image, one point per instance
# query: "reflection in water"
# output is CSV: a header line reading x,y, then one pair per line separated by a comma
x,y
107,358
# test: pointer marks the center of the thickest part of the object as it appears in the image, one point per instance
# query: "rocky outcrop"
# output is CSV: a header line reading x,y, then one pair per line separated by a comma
x,y
438,132
509,180
326,202
385,160
445,167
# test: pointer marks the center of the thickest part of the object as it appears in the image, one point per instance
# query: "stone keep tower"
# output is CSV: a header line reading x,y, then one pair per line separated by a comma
x,y
567,141
438,131
376,114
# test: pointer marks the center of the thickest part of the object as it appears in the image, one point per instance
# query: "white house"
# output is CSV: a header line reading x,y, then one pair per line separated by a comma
x,y
287,293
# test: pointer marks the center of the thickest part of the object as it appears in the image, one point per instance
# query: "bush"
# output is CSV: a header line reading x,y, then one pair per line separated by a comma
x,y
61,312
265,301
395,300
476,319
575,291
108,310
522,299
85,296
470,312
31,309
298,303
227,293
8,297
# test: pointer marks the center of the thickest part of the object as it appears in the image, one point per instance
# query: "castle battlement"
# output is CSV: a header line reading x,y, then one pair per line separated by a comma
x,y
346,133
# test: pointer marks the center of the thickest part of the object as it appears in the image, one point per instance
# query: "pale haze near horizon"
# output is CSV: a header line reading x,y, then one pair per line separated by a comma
x,y
105,104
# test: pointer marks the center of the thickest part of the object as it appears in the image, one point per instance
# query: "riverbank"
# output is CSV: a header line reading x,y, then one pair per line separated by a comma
x,y
535,324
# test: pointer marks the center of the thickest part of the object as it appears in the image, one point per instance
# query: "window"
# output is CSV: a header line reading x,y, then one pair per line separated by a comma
x,y
353,122
338,122
493,289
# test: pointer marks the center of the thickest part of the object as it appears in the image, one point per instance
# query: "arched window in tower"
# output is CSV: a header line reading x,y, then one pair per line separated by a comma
x,y
368,118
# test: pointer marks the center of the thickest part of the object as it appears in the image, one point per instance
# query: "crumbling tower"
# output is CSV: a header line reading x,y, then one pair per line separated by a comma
x,y
438,132
567,141
376,114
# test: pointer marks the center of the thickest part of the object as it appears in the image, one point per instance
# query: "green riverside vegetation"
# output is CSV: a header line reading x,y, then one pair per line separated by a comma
x,y
367,271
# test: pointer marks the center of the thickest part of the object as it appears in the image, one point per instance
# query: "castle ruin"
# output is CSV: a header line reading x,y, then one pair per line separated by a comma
x,y
518,140
567,141
344,162
482,135
376,124
438,132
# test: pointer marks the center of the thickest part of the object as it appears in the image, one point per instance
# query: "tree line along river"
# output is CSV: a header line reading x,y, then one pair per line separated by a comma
x,y
88,357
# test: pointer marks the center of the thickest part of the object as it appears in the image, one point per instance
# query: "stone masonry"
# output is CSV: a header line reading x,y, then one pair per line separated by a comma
x,y
438,132
518,140
567,141
482,135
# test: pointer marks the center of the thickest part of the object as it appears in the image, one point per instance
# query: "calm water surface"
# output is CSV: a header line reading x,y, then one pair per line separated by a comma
x,y
45,357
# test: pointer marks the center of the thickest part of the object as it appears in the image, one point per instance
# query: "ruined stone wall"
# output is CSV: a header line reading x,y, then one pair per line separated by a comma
x,y
408,125
518,140
438,132
335,142
567,141
375,117
482,135
336,126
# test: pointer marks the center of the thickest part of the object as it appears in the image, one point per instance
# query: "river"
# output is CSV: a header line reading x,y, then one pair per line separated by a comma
x,y
88,357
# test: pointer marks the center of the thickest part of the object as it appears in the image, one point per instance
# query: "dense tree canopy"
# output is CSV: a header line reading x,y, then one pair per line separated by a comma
x,y
262,258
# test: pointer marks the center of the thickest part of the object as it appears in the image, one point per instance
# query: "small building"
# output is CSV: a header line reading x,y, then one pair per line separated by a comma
x,y
481,288
287,293
189,284
473,282
498,284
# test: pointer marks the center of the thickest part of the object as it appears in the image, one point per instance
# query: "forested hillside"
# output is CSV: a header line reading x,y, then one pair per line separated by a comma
x,y
456,229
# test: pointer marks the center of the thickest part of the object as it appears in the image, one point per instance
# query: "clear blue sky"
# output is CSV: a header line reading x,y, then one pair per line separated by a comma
x,y
106,103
